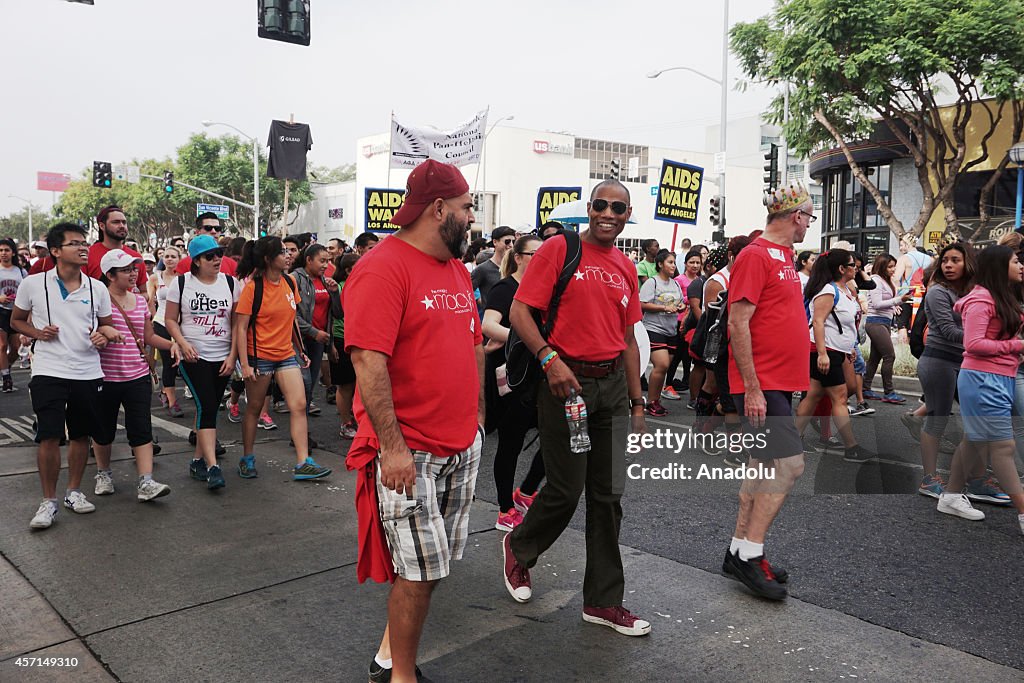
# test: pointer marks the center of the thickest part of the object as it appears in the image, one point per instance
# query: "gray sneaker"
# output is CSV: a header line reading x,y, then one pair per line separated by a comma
x,y
150,489
104,483
174,410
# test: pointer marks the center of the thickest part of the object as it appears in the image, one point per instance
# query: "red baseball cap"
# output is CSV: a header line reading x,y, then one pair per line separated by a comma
x,y
429,181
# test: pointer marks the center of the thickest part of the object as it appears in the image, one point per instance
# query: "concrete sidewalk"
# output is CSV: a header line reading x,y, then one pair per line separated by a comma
x,y
257,583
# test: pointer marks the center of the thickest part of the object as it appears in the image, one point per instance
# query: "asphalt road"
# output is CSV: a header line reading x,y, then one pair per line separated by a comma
x,y
888,559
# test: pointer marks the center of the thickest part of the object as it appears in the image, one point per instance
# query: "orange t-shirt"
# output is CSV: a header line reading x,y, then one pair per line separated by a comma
x,y
274,320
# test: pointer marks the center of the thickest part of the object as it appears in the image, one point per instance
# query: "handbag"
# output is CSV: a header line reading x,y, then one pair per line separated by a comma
x,y
140,344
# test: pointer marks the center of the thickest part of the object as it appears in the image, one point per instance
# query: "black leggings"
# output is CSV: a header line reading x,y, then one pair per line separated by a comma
x,y
203,378
515,423
682,354
170,372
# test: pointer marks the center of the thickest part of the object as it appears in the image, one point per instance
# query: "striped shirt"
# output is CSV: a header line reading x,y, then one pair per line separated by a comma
x,y
122,362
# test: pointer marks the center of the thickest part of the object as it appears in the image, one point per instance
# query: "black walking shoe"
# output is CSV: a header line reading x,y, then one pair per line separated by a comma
x,y
757,575
379,674
781,575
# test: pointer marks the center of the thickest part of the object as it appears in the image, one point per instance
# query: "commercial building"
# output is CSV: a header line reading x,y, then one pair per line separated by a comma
x,y
518,162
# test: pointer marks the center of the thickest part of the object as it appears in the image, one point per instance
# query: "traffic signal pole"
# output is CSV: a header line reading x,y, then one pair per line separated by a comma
x,y
200,190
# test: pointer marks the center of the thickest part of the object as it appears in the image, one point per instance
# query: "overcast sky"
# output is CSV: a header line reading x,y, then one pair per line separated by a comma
x,y
134,78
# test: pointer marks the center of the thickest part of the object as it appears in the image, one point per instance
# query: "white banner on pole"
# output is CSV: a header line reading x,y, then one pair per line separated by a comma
x,y
410,146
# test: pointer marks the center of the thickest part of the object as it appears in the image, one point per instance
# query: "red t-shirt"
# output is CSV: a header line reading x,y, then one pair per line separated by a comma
x,y
321,304
228,266
419,312
329,271
42,265
96,253
764,275
600,301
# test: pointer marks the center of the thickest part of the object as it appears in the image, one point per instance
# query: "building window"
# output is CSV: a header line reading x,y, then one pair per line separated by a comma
x,y
851,213
600,154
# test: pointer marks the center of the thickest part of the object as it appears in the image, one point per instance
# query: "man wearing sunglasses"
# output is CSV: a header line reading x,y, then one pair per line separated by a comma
x,y
208,224
113,227
766,313
591,351
487,274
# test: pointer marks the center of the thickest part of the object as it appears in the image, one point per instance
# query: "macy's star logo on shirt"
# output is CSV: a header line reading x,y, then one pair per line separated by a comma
x,y
428,302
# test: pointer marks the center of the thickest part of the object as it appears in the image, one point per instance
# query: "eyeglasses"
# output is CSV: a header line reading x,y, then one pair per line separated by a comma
x,y
810,216
127,270
212,254
599,205
76,244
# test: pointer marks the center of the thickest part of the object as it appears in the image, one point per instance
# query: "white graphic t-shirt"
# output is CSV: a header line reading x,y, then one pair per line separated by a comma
x,y
10,279
206,314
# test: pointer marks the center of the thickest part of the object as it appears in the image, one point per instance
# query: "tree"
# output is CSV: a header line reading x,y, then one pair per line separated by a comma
x,y
852,62
222,165
15,225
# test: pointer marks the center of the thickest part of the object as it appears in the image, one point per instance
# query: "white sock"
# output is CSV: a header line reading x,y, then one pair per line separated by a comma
x,y
749,550
735,545
383,663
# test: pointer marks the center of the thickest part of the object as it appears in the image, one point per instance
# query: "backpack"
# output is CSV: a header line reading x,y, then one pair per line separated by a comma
x,y
835,302
919,332
257,303
712,312
521,366
181,291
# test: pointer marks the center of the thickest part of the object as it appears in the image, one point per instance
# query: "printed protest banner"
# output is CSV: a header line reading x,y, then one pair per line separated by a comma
x,y
550,197
678,192
410,146
381,206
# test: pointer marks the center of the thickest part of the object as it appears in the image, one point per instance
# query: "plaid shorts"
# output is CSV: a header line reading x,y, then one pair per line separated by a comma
x,y
428,528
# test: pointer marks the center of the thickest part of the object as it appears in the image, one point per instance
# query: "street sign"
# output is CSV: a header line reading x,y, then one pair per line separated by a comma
x,y
634,167
132,176
719,163
654,190
126,173
222,210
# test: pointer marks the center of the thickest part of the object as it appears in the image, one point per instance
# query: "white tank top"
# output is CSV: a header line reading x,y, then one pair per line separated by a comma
x,y
161,300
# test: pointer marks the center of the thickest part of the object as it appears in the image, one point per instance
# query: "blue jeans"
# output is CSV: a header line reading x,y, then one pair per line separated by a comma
x,y
269,367
315,353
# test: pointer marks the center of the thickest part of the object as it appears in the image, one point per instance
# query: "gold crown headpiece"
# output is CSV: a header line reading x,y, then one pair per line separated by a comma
x,y
786,198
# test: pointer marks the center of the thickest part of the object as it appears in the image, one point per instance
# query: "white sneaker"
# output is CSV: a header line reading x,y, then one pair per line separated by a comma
x,y
1020,519
48,511
78,503
958,505
188,392
281,407
313,409
104,483
150,489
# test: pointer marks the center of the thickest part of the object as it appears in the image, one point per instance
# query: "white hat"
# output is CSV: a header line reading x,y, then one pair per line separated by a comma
x,y
115,258
38,243
149,258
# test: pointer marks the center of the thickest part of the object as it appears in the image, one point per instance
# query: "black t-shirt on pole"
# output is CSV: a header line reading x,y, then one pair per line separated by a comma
x,y
288,144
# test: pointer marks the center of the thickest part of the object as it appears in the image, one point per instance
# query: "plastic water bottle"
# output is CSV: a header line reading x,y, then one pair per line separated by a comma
x,y
576,416
23,356
713,343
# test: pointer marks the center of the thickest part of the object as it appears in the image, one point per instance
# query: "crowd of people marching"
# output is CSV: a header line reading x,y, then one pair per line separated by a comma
x,y
254,327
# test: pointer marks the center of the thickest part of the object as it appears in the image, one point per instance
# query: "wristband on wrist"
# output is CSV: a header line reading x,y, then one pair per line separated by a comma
x,y
541,349
545,364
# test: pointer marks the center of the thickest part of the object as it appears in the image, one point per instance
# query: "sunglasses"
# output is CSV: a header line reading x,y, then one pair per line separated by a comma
x,y
599,205
508,241
212,254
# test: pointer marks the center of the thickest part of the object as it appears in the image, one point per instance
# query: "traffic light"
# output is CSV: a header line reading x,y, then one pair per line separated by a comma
x,y
102,174
771,168
284,20
615,168
263,227
718,237
168,182
716,210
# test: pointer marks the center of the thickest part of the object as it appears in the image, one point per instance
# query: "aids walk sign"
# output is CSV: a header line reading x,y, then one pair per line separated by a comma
x,y
678,193
381,206
550,197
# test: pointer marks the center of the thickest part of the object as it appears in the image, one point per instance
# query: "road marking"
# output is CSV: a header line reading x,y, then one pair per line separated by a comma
x,y
172,427
16,430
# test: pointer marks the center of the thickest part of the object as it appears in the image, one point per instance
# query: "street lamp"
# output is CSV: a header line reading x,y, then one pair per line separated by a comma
x,y
1016,153
15,197
483,147
255,174
725,93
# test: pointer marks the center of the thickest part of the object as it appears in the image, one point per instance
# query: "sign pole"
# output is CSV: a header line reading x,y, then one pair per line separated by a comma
x,y
287,188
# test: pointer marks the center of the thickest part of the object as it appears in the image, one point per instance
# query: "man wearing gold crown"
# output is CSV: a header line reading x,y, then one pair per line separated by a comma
x,y
766,312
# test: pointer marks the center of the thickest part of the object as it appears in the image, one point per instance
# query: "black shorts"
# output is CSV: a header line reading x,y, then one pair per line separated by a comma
x,y
663,342
779,434
342,371
57,401
835,375
5,320
136,396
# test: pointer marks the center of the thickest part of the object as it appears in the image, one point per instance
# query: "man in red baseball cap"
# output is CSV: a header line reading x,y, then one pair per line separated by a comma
x,y
410,316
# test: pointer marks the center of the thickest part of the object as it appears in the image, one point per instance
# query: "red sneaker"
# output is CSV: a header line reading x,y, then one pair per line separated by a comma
x,y
517,577
618,618
507,521
523,501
